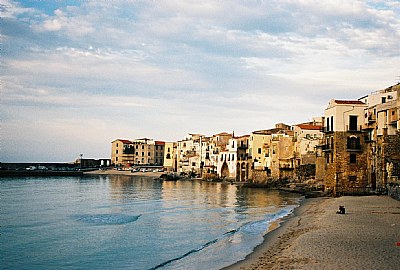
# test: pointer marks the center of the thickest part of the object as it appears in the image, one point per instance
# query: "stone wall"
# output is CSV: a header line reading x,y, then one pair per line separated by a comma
x,y
394,192
341,174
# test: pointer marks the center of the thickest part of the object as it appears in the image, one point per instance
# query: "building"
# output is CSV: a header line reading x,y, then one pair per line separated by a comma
x,y
381,128
232,160
344,146
361,146
170,151
139,152
307,137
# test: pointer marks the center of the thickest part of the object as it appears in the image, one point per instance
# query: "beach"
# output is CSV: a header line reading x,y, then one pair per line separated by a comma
x,y
315,237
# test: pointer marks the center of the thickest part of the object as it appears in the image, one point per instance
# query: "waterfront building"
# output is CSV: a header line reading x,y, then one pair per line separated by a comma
x,y
170,150
232,160
139,152
307,136
381,127
361,145
344,146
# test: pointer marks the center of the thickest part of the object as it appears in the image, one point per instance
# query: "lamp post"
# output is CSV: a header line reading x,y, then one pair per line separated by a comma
x,y
81,155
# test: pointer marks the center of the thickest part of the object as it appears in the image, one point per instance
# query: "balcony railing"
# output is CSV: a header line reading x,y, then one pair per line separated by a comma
x,y
326,129
354,128
327,147
372,118
356,147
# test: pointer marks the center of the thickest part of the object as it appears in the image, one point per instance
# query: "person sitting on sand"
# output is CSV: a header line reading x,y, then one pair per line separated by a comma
x,y
342,210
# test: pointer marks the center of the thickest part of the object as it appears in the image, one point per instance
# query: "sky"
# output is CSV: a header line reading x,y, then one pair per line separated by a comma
x,y
76,75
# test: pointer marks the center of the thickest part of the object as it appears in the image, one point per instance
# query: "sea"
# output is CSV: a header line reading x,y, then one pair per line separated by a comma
x,y
132,222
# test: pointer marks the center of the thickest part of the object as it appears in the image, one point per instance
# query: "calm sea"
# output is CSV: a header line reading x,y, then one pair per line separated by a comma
x,y
123,222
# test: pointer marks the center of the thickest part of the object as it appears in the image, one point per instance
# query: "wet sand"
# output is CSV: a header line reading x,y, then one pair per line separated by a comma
x,y
315,237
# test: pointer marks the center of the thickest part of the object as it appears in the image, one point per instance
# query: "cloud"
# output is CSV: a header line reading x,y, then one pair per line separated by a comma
x,y
159,69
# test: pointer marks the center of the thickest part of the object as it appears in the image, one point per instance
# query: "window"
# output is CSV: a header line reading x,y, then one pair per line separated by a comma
x,y
259,150
383,99
116,159
327,157
353,158
327,124
148,153
142,154
117,144
353,122
331,123
353,143
142,146
352,178
137,146
116,152
168,156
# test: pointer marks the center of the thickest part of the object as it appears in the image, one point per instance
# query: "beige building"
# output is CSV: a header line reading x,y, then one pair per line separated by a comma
x,y
307,137
140,152
170,159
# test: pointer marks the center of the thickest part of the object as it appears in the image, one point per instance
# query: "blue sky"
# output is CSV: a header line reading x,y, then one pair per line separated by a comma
x,y
78,74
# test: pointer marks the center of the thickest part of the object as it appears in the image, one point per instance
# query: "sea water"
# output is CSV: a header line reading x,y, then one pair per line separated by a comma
x,y
124,222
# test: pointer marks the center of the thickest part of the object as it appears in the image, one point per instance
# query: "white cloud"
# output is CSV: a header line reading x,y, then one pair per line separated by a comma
x,y
141,67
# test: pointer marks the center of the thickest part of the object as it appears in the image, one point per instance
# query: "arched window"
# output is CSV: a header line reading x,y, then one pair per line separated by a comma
x,y
353,143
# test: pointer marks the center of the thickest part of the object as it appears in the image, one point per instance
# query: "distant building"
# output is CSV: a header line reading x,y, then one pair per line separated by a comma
x,y
232,160
139,152
170,159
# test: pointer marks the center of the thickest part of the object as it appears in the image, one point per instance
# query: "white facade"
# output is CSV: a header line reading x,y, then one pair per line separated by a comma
x,y
344,115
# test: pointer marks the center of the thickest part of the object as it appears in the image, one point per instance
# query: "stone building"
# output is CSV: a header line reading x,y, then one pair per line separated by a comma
x,y
381,127
344,147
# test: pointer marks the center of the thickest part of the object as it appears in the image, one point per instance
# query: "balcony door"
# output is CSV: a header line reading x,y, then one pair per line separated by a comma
x,y
353,122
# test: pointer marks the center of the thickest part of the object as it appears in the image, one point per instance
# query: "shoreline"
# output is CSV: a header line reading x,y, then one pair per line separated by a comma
x,y
315,237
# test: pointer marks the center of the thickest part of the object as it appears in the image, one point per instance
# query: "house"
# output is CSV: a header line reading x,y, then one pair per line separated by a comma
x,y
344,151
137,152
232,161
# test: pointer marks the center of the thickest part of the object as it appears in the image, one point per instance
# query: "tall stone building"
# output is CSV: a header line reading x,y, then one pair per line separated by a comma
x,y
381,127
361,146
344,146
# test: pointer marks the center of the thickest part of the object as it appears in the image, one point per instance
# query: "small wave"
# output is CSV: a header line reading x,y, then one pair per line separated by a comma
x,y
255,227
107,219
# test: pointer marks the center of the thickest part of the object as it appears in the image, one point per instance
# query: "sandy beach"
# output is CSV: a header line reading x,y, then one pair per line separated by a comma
x,y
129,173
315,237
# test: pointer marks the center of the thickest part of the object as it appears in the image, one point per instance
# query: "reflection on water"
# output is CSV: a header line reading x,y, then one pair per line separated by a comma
x,y
140,223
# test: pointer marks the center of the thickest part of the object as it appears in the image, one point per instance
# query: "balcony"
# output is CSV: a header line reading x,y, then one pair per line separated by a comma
x,y
326,129
354,148
285,167
371,118
354,128
327,148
